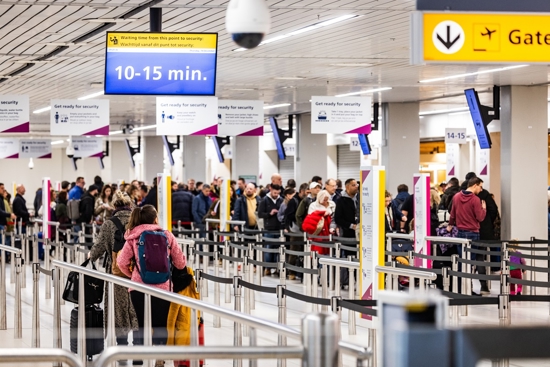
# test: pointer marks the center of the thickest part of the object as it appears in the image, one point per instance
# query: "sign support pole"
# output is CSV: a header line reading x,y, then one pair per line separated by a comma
x,y
46,214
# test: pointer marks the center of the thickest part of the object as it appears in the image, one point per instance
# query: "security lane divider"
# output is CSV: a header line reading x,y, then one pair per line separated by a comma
x,y
55,276
413,274
39,355
16,259
318,328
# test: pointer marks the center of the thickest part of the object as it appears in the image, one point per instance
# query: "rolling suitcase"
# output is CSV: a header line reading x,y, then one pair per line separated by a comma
x,y
94,330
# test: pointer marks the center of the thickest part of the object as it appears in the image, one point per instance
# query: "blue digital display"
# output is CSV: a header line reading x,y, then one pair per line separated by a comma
x,y
483,137
364,143
162,70
275,128
221,158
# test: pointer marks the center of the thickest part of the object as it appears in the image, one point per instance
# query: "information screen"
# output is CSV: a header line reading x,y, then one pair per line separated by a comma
x,y
483,136
161,63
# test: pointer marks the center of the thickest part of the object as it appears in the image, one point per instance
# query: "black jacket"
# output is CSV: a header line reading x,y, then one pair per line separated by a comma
x,y
4,215
290,212
86,208
271,222
20,208
346,214
241,209
486,228
151,198
447,198
182,205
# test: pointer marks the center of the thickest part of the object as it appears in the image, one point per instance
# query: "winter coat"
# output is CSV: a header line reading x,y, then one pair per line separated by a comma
x,y
130,252
182,206
179,317
241,209
467,212
318,223
201,204
346,214
290,212
86,208
447,198
125,314
101,211
151,198
271,223
486,227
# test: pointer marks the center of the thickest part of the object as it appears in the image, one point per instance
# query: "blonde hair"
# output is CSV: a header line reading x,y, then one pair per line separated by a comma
x,y
321,196
388,194
121,199
435,199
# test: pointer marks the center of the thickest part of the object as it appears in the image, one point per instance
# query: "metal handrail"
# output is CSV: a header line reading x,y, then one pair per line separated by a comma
x,y
18,355
48,223
194,353
341,263
13,250
212,220
186,301
406,272
447,239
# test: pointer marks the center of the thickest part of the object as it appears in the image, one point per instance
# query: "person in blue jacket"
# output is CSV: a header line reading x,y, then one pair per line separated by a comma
x,y
182,204
77,191
201,203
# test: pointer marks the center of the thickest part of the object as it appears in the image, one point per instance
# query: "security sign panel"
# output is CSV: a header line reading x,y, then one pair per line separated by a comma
x,y
73,117
334,115
476,37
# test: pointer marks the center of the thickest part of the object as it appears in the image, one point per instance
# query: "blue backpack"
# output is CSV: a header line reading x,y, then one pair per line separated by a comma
x,y
154,259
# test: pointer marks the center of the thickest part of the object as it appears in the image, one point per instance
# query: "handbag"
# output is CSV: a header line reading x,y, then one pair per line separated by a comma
x,y
93,287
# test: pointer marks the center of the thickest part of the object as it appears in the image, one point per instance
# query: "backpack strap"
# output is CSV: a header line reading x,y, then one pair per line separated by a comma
x,y
118,224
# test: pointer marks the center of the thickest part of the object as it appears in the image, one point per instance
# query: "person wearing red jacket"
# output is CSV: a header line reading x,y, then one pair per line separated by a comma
x,y
318,222
467,212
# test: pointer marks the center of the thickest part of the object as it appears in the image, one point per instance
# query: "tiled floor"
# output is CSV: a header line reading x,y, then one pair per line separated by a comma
x,y
522,314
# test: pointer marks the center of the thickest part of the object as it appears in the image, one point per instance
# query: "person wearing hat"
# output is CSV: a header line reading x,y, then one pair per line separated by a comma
x,y
86,208
301,212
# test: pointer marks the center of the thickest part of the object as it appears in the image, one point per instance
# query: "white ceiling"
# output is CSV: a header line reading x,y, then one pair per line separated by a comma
x,y
379,38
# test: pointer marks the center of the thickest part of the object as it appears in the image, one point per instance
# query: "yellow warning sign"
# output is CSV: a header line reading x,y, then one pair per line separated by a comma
x,y
473,37
161,40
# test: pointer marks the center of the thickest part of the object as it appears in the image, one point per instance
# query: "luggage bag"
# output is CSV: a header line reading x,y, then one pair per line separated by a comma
x,y
94,330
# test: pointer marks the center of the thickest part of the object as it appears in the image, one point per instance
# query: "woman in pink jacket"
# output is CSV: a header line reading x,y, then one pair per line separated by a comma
x,y
146,219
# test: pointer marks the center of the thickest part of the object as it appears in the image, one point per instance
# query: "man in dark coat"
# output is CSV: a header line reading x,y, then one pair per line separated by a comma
x,y
86,208
346,217
182,207
246,206
20,207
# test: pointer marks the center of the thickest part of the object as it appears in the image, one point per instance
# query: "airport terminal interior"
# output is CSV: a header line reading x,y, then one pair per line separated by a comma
x,y
274,183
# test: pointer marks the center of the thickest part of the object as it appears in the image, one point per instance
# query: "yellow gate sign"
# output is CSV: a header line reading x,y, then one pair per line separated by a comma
x,y
476,37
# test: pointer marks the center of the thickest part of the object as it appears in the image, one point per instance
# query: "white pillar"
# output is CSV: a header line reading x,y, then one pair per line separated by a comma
x,y
311,152
153,157
400,143
194,158
246,156
524,161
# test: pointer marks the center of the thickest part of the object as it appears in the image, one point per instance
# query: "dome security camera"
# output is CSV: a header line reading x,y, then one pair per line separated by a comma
x,y
247,21
70,150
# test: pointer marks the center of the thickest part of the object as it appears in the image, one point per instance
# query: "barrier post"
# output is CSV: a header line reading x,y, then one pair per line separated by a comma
x,y
194,334
246,294
205,261
324,289
47,247
337,284
251,277
282,272
238,336
147,325
3,325
12,260
18,327
352,328
335,307
320,338
216,319
281,319
253,343
307,265
56,276
81,342
25,244
227,251
111,332
35,343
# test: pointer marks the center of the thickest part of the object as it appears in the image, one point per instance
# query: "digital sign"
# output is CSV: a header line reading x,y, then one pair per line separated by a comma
x,y
475,110
161,63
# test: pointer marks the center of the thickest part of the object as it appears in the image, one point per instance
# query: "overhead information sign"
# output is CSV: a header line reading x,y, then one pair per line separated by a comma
x,y
475,37
88,147
334,115
74,117
187,116
35,148
14,114
240,118
161,63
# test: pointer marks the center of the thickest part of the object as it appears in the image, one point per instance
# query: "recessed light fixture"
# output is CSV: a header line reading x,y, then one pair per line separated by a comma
x,y
40,110
304,29
115,132
145,127
57,142
289,77
93,95
109,20
458,113
58,44
438,112
353,64
276,105
364,92
471,74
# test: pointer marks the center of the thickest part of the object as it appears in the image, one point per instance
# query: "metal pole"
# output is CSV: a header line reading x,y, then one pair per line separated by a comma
x,y
111,332
147,325
205,260
372,346
337,285
35,343
47,266
81,320
35,245
320,338
12,256
56,275
307,265
246,293
194,334
3,311
18,327
281,319
324,280
251,277
227,273
352,330
253,343
282,272
216,319
237,337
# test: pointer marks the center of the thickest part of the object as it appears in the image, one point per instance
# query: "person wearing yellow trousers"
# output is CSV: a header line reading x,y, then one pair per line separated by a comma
x,y
179,316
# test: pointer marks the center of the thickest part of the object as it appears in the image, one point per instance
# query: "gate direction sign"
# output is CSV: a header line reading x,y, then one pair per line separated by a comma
x,y
480,38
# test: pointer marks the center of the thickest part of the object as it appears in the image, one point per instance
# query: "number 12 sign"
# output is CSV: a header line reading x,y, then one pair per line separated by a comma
x,y
456,136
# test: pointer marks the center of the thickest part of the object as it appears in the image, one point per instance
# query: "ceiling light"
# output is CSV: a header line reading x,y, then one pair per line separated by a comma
x,y
57,142
109,20
364,92
304,29
5,76
276,105
144,127
438,112
44,109
32,61
289,77
353,64
59,44
470,74
242,89
115,132
89,96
